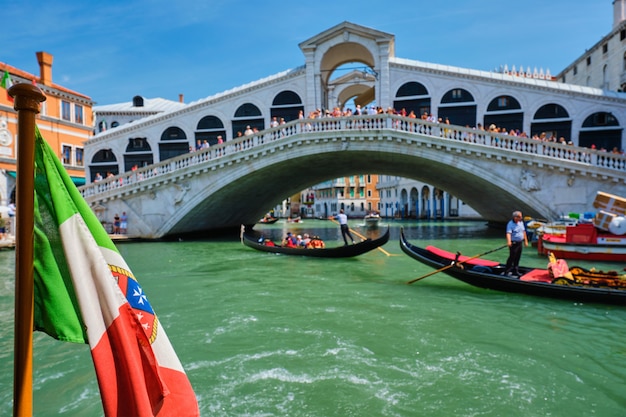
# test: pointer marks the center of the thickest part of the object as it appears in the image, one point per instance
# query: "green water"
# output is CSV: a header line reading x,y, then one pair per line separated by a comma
x,y
268,335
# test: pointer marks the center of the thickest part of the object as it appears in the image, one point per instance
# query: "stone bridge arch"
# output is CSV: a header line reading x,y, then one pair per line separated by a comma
x,y
248,189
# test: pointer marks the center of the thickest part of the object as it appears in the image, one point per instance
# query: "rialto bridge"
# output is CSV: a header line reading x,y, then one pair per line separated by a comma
x,y
234,183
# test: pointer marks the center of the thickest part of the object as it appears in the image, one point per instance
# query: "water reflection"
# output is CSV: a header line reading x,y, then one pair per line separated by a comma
x,y
420,230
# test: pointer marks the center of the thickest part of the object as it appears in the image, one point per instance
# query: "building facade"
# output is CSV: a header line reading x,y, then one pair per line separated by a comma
x,y
65,121
114,115
356,194
404,198
604,64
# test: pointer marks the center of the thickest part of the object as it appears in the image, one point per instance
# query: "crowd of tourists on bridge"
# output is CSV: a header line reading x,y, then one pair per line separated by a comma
x,y
337,112
434,126
372,110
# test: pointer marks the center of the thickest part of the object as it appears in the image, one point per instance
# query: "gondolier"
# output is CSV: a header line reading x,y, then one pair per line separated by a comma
x,y
515,236
342,218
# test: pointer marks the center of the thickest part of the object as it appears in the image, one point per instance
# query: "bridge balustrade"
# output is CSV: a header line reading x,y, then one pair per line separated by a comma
x,y
376,122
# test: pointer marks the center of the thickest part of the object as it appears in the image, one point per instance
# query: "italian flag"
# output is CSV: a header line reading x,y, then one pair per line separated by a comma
x,y
6,83
86,293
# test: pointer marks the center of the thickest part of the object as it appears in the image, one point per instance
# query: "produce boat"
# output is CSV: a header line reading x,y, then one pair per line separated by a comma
x,y
584,241
557,227
256,241
601,239
579,284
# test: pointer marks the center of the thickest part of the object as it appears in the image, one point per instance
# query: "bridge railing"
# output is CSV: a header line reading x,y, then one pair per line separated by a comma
x,y
555,150
377,122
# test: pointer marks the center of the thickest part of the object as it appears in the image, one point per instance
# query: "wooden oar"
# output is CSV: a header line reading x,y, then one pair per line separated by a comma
x,y
361,236
456,263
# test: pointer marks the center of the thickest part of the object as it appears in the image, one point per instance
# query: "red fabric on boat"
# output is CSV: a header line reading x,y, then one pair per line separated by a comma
x,y
462,258
553,238
559,268
541,275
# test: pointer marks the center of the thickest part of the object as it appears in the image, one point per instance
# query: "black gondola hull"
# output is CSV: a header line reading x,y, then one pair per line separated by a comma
x,y
270,220
251,240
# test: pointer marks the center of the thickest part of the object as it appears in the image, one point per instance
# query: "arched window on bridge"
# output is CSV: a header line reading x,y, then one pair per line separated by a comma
x,y
103,162
138,154
412,96
350,84
287,105
553,120
173,143
247,115
601,129
506,112
459,107
209,128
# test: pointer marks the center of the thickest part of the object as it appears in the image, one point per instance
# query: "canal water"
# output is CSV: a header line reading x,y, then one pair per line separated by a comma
x,y
270,335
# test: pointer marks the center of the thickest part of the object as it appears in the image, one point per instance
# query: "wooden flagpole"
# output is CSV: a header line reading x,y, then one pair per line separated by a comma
x,y
27,98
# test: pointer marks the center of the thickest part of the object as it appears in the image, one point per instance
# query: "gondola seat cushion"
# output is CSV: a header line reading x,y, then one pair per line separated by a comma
x,y
462,258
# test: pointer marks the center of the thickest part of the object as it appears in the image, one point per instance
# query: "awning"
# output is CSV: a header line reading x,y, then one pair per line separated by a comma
x,y
78,181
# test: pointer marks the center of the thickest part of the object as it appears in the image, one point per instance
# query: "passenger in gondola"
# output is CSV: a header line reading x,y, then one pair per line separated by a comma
x,y
290,241
306,239
268,242
316,243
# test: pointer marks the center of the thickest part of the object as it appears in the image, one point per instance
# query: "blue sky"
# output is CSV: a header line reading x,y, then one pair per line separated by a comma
x,y
113,50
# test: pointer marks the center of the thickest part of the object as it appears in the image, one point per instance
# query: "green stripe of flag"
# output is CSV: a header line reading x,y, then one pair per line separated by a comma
x,y
56,200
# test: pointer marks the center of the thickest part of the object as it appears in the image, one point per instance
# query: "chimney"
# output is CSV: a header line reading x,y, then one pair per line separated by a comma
x,y
45,67
181,98
619,12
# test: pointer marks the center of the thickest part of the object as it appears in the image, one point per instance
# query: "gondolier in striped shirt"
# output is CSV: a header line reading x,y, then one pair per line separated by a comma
x,y
515,237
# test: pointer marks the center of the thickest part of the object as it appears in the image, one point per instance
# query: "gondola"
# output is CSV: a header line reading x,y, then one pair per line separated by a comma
x,y
489,274
268,220
359,248
371,220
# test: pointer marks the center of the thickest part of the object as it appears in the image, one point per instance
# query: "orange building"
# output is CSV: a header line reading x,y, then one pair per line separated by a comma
x,y
65,121
372,194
